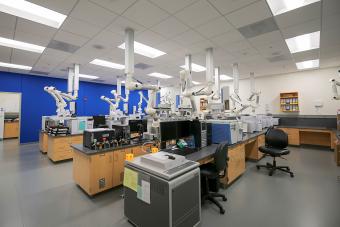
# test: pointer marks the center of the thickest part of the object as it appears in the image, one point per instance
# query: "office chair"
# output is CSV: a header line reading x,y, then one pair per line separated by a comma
x,y
211,172
276,146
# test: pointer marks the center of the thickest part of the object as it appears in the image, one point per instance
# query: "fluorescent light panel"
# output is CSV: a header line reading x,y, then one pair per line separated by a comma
x,y
159,75
195,67
145,50
304,42
88,76
225,77
21,45
107,64
196,82
308,64
15,66
282,6
32,12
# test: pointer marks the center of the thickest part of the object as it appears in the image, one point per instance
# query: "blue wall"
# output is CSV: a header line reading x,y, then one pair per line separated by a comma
x,y
35,102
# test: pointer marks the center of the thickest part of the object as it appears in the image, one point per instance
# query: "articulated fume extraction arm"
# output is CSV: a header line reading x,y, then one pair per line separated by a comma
x,y
254,98
130,83
238,105
190,91
70,96
335,83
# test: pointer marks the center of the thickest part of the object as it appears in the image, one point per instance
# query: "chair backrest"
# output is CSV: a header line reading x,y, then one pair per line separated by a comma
x,y
220,157
276,138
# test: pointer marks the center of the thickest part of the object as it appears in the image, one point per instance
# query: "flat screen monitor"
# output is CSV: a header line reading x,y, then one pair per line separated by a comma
x,y
168,130
98,121
134,125
183,129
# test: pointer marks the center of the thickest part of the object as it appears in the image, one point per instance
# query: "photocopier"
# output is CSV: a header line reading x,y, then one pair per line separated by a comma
x,y
162,189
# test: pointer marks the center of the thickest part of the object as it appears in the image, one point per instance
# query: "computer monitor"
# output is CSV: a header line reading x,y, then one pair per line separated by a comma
x,y
134,125
168,130
98,121
183,129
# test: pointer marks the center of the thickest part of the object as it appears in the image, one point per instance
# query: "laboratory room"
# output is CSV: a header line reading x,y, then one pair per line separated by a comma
x,y
169,113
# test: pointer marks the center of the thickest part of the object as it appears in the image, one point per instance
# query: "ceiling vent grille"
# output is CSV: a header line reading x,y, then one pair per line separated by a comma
x,y
278,58
142,66
258,28
62,46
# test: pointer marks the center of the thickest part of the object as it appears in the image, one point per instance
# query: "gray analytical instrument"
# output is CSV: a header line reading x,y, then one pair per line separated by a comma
x,y
162,189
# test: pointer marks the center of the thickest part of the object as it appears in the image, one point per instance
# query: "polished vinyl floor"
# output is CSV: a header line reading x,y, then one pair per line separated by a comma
x,y
34,192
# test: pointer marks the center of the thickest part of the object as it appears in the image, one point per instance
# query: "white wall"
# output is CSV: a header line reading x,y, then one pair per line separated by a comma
x,y
10,101
312,86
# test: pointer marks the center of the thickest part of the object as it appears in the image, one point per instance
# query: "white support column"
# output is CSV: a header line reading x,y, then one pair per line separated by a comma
x,y
188,62
236,78
209,60
252,83
129,51
217,82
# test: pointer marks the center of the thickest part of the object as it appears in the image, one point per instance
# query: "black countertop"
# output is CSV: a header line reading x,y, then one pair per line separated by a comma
x,y
305,127
87,151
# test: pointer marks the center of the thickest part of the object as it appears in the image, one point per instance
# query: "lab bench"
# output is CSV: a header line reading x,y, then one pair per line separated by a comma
x,y
11,129
99,170
59,147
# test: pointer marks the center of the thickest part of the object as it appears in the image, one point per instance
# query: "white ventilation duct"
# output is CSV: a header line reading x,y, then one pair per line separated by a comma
x,y
236,78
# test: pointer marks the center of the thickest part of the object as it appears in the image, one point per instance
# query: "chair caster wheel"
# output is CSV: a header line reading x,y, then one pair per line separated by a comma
x,y
291,175
257,167
288,169
224,199
222,211
270,174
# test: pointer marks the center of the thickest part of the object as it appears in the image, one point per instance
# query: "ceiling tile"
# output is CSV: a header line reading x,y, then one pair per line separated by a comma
x,y
273,49
60,6
214,27
193,15
170,27
24,57
259,28
330,7
330,38
7,21
116,6
300,29
121,23
172,6
227,6
5,54
93,14
330,21
299,16
149,38
227,38
262,40
34,39
189,37
70,38
247,14
145,13
34,28
80,27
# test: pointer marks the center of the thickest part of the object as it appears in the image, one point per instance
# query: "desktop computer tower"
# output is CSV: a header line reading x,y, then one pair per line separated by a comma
x,y
199,130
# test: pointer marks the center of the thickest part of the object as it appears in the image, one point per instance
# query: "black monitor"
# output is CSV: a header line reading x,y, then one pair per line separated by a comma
x,y
99,121
135,125
183,129
168,130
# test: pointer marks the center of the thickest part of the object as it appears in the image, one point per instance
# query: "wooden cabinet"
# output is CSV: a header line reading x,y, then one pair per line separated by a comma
x,y
118,166
43,142
236,164
337,152
252,150
93,173
293,135
11,129
59,148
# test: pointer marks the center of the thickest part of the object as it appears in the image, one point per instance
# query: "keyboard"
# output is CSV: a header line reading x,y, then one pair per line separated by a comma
x,y
182,151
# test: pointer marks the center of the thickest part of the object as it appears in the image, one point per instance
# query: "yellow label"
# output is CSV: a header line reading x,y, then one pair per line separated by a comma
x,y
130,179
129,157
154,149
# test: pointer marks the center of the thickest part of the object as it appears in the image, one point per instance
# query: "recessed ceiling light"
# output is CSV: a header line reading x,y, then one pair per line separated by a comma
x,y
21,45
15,66
32,12
225,77
281,6
160,75
88,76
196,82
144,50
107,64
304,42
123,81
308,64
195,67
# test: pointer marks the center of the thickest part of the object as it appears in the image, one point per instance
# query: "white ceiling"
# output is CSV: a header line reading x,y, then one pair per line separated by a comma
x,y
177,27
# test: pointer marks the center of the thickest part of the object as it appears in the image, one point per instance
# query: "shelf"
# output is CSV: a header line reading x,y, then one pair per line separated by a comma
x,y
289,102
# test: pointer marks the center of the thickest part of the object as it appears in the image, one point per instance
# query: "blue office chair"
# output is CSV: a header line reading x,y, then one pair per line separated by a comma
x,y
276,146
211,173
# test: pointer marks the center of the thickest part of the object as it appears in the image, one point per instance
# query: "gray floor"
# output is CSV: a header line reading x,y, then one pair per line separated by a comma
x,y
36,193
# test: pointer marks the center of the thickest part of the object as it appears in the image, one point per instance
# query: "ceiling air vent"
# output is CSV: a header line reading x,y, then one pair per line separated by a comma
x,y
278,58
258,28
62,46
142,66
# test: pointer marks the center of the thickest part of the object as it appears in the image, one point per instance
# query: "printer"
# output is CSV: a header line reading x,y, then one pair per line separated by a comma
x,y
155,188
